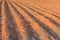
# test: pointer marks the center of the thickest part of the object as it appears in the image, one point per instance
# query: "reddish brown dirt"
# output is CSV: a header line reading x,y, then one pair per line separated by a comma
x,y
46,15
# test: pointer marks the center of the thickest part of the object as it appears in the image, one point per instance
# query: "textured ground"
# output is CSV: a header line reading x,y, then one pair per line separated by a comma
x,y
29,20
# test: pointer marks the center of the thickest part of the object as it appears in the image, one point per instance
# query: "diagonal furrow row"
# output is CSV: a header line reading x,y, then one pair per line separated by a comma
x,y
34,24
52,20
50,25
19,21
28,28
11,27
44,10
0,20
49,31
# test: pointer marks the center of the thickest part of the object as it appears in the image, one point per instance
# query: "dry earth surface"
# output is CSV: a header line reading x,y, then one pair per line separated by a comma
x,y
29,19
